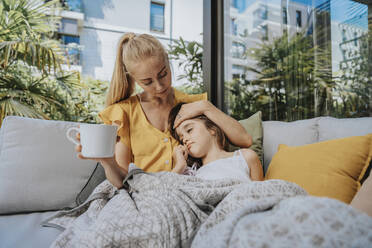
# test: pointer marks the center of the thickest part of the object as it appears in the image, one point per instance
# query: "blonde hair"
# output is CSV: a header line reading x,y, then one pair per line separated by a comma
x,y
131,48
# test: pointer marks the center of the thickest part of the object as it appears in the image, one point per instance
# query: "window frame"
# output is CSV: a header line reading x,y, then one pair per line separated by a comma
x,y
163,19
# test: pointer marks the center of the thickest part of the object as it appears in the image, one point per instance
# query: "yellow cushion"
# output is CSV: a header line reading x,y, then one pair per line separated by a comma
x,y
330,168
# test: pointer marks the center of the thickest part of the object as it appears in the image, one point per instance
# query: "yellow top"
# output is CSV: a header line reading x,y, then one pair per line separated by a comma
x,y
151,148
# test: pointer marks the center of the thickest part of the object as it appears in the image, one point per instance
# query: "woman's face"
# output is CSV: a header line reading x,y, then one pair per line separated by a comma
x,y
194,134
153,76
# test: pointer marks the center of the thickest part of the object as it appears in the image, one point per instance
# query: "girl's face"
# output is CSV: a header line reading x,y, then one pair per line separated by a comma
x,y
153,76
194,134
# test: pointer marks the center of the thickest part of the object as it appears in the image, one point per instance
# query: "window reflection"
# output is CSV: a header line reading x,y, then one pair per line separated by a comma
x,y
298,59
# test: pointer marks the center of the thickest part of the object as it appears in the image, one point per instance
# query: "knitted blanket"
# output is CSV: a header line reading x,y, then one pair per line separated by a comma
x,y
170,210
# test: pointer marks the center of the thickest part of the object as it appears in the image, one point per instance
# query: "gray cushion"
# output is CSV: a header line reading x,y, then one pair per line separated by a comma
x,y
24,231
332,128
39,170
96,178
294,133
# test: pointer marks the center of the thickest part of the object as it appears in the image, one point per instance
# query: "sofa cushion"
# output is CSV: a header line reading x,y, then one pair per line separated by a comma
x,y
332,168
333,128
39,169
253,125
24,230
294,133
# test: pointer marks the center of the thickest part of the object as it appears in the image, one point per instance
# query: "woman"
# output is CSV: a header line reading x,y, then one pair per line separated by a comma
x,y
142,119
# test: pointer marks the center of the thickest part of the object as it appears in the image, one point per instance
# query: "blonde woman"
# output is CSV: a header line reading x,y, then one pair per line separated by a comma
x,y
142,119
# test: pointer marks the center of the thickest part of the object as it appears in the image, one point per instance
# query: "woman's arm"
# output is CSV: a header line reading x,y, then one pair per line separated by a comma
x,y
233,130
255,166
116,168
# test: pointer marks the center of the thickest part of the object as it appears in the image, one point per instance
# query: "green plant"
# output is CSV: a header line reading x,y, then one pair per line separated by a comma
x,y
32,82
189,57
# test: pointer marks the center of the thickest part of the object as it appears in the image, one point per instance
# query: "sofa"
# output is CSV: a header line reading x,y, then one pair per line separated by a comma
x,y
40,173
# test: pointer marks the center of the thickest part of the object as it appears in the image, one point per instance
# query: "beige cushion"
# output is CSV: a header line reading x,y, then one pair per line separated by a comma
x,y
253,125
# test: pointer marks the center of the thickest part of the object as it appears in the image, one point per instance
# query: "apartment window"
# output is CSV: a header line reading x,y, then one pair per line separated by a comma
x,y
264,13
355,39
285,17
157,17
67,39
238,49
343,35
265,32
234,27
71,48
298,18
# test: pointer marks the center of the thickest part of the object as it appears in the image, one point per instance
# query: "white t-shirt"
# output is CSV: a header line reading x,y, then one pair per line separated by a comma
x,y
234,167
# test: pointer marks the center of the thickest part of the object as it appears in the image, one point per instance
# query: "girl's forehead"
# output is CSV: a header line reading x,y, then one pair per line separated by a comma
x,y
187,123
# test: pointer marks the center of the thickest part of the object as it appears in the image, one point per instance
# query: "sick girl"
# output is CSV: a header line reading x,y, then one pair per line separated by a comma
x,y
203,148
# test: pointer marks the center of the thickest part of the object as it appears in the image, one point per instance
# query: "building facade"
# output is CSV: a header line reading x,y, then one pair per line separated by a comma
x,y
91,29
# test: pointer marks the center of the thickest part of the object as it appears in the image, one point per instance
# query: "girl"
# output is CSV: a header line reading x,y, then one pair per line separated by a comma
x,y
203,145
142,120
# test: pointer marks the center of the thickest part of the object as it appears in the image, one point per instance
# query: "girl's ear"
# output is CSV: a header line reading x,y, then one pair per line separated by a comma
x,y
212,132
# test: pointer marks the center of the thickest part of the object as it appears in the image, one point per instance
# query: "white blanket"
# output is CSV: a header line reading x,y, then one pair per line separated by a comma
x,y
168,210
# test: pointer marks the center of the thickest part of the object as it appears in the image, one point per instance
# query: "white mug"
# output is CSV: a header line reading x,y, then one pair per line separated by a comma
x,y
97,140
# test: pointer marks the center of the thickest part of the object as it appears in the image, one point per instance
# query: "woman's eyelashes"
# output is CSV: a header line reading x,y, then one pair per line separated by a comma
x,y
165,73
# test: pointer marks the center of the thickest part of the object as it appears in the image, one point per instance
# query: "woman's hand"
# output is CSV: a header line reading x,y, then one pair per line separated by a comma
x,y
180,154
234,131
191,110
114,172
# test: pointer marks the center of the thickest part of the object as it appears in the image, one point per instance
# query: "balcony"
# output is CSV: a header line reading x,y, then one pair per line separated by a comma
x,y
72,52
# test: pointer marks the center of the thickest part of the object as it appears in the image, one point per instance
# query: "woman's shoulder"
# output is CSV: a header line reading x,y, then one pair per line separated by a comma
x,y
187,98
118,110
123,104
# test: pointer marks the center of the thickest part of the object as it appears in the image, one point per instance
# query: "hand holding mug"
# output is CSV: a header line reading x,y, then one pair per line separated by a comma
x,y
94,141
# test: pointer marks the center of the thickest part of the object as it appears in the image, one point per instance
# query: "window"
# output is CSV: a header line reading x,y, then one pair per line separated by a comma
x,y
355,39
265,32
157,17
67,39
285,17
234,27
286,60
298,18
237,50
71,48
343,35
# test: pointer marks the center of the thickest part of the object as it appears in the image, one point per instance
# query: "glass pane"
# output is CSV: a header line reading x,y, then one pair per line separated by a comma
x,y
298,59
157,17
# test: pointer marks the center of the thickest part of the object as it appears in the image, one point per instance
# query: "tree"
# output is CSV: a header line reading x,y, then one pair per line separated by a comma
x,y
32,82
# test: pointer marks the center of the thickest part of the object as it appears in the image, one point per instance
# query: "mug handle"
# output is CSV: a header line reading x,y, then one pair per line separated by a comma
x,y
68,135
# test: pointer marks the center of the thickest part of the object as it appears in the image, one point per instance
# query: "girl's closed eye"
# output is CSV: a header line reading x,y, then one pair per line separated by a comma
x,y
189,130
165,73
147,83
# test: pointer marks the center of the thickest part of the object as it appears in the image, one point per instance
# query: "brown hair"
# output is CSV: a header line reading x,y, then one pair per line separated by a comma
x,y
210,125
131,48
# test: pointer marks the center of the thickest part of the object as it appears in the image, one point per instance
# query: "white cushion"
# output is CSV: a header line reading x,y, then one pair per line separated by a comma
x,y
294,133
25,231
39,169
332,128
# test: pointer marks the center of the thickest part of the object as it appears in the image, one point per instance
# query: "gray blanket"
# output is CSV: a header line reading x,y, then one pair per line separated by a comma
x,y
170,210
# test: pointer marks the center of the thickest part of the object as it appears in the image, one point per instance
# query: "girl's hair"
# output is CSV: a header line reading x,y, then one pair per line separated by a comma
x,y
132,48
210,125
